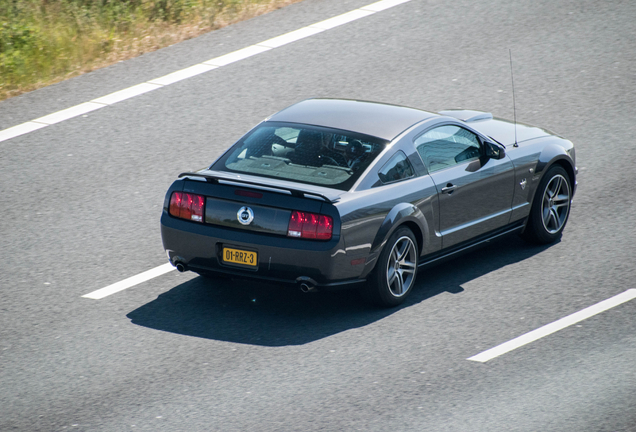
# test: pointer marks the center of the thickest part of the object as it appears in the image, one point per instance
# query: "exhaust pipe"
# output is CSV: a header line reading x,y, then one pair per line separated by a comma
x,y
306,287
180,267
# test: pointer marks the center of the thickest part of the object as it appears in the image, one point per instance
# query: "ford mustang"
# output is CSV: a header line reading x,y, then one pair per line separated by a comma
x,y
332,193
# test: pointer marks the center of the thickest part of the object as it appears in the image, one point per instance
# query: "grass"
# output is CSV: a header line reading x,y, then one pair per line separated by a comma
x,y
46,41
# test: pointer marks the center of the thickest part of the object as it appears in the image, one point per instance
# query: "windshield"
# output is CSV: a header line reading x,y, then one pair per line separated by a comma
x,y
306,154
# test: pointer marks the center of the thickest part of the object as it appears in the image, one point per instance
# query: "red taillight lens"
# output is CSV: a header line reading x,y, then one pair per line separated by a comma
x,y
295,224
198,202
325,228
185,211
310,226
175,204
187,206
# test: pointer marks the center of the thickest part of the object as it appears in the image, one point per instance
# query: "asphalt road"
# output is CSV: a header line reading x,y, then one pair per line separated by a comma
x,y
82,200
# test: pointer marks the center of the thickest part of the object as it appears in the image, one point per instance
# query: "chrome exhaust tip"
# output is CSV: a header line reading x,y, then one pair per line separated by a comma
x,y
306,287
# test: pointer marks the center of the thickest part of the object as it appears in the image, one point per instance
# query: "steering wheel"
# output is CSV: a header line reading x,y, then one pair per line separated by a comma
x,y
354,149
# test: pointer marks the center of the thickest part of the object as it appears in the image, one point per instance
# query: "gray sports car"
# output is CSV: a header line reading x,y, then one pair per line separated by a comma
x,y
332,193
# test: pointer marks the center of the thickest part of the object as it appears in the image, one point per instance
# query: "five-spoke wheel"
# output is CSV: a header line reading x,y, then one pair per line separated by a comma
x,y
551,207
394,274
400,272
555,205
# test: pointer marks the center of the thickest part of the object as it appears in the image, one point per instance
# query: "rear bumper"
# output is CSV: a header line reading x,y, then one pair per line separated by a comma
x,y
280,259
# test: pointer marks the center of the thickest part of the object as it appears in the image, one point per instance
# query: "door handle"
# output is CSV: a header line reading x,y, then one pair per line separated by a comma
x,y
449,189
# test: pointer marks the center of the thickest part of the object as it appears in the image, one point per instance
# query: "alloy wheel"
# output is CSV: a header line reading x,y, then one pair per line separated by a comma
x,y
400,273
556,204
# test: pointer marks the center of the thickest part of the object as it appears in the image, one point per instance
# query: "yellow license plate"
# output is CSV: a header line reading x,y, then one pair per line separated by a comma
x,y
237,256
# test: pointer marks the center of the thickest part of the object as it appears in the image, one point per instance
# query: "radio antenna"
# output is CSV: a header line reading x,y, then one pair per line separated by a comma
x,y
514,106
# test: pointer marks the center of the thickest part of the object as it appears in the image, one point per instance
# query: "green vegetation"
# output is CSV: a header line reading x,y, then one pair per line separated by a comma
x,y
45,41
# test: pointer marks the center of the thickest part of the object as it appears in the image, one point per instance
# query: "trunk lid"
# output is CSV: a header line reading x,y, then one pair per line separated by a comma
x,y
269,201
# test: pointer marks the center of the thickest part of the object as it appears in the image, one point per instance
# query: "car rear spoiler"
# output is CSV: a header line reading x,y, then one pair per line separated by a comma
x,y
210,178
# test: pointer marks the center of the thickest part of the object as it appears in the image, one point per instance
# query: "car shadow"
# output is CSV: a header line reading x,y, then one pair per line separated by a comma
x,y
267,315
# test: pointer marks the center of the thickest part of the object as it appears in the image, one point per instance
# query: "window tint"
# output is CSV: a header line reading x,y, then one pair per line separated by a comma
x,y
302,153
446,146
397,168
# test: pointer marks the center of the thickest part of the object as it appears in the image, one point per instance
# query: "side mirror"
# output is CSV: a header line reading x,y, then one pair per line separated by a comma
x,y
494,151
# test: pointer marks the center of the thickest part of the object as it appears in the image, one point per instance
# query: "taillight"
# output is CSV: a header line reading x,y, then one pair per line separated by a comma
x,y
187,206
310,226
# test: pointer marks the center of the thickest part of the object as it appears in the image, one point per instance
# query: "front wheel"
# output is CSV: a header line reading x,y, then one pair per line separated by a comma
x,y
394,274
550,208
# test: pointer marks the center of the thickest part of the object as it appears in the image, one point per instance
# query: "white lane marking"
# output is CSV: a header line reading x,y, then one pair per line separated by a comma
x,y
345,18
127,93
20,129
182,74
555,326
197,69
69,113
382,5
130,282
235,56
290,37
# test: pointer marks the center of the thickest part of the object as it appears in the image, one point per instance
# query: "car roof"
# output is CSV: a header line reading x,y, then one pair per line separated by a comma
x,y
370,118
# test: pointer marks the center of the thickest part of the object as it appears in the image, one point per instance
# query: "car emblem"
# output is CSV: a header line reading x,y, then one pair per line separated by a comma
x,y
245,215
523,184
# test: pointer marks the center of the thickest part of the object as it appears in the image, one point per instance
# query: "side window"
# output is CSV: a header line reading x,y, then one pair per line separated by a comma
x,y
446,146
397,168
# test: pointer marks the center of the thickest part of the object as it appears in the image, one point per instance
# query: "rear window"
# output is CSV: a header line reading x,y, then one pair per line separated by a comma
x,y
305,154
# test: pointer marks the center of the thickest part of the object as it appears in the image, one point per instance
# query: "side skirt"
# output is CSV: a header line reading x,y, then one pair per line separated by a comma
x,y
471,244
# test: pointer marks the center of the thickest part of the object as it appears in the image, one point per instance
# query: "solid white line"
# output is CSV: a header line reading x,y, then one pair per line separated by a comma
x,y
382,5
290,37
555,326
20,129
182,74
69,113
127,93
345,18
236,55
130,282
197,69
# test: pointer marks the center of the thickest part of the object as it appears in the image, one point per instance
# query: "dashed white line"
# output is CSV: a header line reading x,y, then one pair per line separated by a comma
x,y
197,69
177,76
130,282
548,329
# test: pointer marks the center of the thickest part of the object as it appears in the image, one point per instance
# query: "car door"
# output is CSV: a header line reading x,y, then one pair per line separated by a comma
x,y
475,191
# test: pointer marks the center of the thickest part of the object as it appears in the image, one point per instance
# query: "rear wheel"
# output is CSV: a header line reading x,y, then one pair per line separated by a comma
x,y
394,275
550,208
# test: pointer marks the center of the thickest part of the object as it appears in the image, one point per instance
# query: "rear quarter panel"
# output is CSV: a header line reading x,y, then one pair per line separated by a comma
x,y
369,217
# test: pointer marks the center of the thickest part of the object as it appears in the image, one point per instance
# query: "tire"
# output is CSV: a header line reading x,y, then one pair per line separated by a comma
x,y
550,207
389,286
